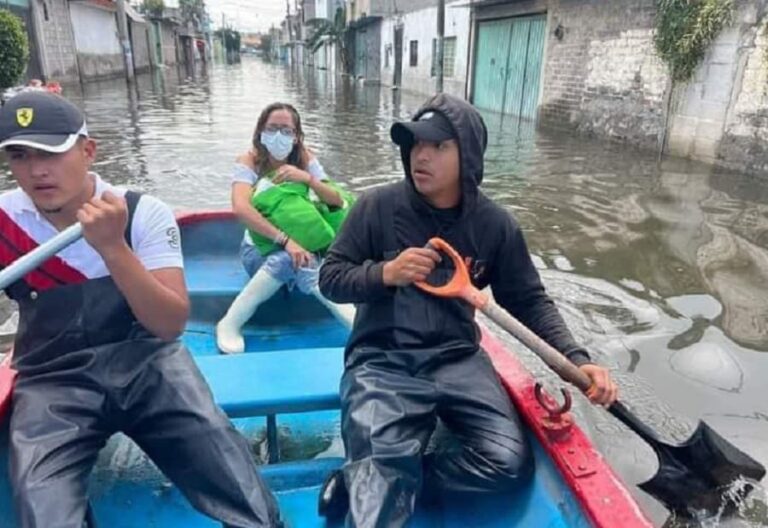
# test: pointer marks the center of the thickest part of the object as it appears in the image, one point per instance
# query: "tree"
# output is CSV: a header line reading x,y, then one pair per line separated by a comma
x,y
14,49
192,11
332,32
153,7
231,39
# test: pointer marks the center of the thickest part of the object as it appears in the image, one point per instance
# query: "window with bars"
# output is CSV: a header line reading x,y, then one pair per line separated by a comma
x,y
414,53
449,56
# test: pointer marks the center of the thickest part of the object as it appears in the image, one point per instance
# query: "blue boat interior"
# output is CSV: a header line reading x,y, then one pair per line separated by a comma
x,y
282,394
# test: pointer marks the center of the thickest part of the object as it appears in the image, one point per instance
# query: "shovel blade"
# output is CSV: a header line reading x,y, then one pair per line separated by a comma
x,y
695,475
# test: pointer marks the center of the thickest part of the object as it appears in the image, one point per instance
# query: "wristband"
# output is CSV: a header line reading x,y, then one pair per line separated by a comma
x,y
281,239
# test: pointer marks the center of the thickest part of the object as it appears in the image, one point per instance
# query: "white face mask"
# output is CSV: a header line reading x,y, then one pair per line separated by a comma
x,y
278,144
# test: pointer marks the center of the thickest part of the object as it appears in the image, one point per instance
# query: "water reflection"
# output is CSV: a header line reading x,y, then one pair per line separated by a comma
x,y
661,270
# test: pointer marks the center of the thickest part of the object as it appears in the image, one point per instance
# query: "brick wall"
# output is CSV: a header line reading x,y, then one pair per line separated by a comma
x,y
603,76
57,41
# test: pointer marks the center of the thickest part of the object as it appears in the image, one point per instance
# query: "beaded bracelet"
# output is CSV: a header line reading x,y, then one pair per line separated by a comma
x,y
281,239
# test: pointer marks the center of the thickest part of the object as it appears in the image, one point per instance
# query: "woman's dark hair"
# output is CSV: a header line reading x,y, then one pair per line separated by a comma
x,y
299,156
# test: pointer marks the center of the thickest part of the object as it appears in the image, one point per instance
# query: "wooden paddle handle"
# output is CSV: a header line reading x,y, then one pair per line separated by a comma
x,y
554,359
460,286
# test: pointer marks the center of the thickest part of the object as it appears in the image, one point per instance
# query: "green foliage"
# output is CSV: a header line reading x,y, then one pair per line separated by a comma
x,y
334,32
192,11
685,29
14,49
153,7
231,39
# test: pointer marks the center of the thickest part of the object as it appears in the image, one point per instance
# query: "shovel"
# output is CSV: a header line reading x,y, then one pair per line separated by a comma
x,y
692,475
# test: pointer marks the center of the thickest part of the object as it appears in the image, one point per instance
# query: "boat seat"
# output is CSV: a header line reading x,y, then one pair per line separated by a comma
x,y
214,276
278,382
272,383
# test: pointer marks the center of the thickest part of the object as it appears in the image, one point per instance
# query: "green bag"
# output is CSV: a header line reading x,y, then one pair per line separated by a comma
x,y
335,216
287,206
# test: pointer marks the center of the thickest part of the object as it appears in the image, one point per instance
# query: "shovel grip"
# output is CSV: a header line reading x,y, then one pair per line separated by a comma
x,y
459,286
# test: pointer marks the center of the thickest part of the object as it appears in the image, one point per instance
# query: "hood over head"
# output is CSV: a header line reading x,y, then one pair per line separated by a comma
x,y
444,117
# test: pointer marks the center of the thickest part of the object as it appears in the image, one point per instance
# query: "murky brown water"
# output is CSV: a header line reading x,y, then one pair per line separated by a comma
x,y
661,270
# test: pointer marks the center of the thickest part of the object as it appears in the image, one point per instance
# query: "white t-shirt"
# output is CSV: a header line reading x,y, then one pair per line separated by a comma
x,y
154,231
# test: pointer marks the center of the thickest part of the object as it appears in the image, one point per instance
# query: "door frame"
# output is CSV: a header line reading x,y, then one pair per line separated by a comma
x,y
397,77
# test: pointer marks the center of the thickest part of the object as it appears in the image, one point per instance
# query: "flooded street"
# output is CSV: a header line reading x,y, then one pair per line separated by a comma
x,y
662,271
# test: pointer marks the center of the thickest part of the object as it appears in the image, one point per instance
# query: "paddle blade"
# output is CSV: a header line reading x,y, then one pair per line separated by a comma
x,y
695,475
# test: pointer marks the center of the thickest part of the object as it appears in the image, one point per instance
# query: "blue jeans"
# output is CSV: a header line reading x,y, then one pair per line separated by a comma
x,y
280,266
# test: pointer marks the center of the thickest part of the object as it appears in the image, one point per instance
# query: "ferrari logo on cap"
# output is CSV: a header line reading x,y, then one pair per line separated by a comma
x,y
24,116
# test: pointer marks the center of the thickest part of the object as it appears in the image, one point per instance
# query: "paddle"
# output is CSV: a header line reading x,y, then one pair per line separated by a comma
x,y
691,475
40,254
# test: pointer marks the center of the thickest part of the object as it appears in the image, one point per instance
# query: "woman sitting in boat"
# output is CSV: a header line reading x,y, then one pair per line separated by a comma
x,y
291,211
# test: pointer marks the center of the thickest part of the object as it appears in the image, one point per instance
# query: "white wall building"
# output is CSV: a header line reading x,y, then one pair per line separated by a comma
x,y
419,39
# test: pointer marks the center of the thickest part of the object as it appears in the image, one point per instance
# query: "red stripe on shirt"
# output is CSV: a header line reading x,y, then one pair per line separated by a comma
x,y
35,279
17,242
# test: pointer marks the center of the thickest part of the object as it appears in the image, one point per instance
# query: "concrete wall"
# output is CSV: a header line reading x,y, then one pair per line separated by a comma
x,y
168,41
98,49
745,136
321,9
369,36
333,5
700,107
325,57
421,25
56,42
308,7
140,45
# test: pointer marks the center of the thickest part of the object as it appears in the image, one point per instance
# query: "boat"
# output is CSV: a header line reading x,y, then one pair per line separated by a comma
x,y
283,395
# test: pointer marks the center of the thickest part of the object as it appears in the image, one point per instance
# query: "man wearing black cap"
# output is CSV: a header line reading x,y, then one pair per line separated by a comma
x,y
412,358
96,349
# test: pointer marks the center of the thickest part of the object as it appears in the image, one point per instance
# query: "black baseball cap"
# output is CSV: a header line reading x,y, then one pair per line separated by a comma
x,y
41,120
430,126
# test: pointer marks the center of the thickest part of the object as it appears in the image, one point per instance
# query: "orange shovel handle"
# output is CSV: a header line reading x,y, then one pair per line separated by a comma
x,y
459,286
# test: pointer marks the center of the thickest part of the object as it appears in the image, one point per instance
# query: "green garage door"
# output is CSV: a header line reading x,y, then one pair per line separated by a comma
x,y
508,61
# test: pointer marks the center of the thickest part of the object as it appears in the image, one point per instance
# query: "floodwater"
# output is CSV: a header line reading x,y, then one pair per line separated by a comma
x,y
660,269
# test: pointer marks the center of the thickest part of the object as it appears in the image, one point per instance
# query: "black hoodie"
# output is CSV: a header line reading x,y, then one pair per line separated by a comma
x,y
394,217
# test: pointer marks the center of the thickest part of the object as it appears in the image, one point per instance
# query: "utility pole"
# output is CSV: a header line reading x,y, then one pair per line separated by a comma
x,y
440,45
224,37
288,19
125,42
290,29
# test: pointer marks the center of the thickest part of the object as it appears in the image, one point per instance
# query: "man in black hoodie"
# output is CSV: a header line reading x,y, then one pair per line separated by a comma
x,y
413,357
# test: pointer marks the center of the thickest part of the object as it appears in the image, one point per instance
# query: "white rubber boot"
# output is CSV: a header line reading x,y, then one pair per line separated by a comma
x,y
345,313
260,288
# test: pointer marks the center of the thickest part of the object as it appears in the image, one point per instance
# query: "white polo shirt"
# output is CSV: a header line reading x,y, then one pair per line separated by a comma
x,y
154,232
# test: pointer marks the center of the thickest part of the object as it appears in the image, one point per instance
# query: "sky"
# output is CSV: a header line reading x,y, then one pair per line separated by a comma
x,y
248,15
